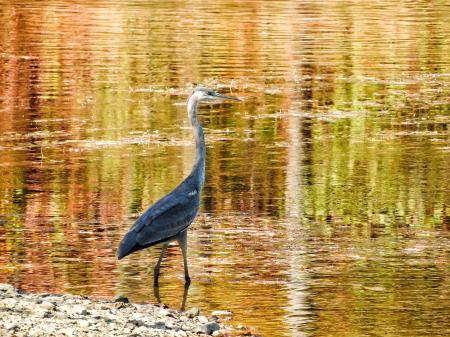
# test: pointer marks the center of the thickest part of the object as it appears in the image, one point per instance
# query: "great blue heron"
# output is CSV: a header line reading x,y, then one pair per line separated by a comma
x,y
168,219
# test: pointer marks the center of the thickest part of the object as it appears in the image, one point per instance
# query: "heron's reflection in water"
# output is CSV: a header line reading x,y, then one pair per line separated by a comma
x,y
183,301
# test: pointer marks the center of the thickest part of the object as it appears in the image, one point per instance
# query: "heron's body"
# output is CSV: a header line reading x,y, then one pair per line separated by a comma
x,y
169,218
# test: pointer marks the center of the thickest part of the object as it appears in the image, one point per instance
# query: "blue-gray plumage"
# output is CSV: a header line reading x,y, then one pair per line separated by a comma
x,y
168,219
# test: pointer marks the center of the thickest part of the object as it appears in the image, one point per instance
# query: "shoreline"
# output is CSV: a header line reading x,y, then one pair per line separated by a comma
x,y
29,314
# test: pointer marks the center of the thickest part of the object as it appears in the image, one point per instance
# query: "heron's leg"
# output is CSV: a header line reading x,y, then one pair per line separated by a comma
x,y
158,264
156,293
185,295
182,240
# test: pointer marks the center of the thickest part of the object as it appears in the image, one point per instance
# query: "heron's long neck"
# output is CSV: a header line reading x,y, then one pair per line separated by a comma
x,y
198,169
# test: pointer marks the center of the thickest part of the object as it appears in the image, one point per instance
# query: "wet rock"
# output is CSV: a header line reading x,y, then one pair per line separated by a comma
x,y
122,299
210,327
222,314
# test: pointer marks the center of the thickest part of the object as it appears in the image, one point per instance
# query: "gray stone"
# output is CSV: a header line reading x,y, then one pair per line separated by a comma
x,y
210,327
160,325
137,322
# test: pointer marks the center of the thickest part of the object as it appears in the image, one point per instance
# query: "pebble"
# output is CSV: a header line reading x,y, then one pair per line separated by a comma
x,y
24,314
83,323
10,325
193,312
79,310
182,333
170,324
163,312
47,306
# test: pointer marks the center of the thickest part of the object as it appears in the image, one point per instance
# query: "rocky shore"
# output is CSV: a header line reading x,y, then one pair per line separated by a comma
x,y
25,314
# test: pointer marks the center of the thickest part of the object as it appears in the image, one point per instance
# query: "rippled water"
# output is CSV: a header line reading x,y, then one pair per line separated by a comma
x,y
326,205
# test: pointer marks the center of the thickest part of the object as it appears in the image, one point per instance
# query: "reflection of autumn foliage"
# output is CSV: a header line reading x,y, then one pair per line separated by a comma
x,y
341,142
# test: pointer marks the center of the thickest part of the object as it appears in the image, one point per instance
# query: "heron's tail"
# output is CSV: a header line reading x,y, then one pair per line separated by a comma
x,y
127,245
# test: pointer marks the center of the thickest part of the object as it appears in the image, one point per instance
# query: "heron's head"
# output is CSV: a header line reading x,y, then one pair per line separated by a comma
x,y
205,94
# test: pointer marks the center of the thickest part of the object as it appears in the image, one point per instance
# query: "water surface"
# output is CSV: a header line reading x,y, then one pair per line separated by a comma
x,y
326,208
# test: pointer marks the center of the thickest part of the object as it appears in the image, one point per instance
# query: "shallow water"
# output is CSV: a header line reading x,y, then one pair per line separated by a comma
x,y
326,208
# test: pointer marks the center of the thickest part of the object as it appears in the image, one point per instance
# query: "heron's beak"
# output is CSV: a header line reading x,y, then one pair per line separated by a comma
x,y
216,94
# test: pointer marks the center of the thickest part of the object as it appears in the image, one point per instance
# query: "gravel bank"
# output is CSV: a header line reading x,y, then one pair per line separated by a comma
x,y
25,314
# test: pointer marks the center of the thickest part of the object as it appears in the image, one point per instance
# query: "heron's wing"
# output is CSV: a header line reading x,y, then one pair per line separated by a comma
x,y
167,217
